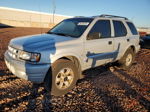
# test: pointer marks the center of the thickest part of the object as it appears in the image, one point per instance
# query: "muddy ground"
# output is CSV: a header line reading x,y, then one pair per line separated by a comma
x,y
105,88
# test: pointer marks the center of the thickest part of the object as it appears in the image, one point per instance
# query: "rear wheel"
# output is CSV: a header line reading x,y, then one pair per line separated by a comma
x,y
62,77
126,61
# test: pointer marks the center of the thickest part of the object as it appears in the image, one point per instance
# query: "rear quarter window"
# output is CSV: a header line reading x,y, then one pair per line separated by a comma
x,y
132,28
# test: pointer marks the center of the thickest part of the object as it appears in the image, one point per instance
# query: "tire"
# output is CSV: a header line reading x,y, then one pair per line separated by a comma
x,y
126,61
61,78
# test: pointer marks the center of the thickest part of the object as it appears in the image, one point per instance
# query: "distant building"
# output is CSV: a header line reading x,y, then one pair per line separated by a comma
x,y
23,18
144,30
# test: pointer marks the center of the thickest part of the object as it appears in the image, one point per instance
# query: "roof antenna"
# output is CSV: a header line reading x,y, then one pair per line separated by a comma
x,y
132,18
40,18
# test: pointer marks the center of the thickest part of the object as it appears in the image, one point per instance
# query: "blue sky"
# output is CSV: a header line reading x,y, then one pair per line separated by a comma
x,y
136,10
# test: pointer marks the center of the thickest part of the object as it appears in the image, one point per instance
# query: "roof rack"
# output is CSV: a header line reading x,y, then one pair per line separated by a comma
x,y
78,16
106,15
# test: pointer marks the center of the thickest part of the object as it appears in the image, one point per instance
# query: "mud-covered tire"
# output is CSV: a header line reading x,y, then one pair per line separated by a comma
x,y
61,78
126,61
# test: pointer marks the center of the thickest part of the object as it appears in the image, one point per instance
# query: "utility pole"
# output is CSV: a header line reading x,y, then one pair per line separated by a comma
x,y
54,9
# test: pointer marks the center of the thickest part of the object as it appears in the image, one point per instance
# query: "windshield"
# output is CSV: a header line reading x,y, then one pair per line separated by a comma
x,y
74,27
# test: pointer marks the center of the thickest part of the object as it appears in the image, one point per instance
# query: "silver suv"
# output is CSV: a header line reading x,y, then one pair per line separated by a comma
x,y
58,57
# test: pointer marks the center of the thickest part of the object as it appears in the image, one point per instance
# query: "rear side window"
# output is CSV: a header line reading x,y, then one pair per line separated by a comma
x,y
120,29
102,27
132,28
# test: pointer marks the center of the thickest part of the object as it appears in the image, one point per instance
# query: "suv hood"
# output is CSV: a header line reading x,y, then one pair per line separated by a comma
x,y
37,42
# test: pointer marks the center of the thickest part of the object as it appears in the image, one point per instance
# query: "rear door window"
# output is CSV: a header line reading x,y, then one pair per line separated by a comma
x,y
120,29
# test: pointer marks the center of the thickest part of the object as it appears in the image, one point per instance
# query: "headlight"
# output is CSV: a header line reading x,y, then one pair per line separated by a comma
x,y
33,57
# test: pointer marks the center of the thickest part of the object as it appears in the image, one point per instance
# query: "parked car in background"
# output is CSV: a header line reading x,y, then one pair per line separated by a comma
x,y
145,42
74,45
142,34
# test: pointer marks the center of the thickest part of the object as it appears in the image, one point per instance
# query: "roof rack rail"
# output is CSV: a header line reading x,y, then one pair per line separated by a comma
x,y
106,15
78,16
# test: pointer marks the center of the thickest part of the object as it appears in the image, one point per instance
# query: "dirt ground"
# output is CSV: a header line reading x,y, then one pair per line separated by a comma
x,y
105,88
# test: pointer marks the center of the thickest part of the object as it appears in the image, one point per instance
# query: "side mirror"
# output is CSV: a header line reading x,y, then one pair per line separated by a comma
x,y
93,35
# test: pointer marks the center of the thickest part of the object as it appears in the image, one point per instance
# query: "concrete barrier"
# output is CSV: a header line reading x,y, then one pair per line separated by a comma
x,y
23,18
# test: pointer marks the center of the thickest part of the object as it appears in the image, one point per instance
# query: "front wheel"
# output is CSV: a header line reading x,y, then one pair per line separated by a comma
x,y
62,78
126,61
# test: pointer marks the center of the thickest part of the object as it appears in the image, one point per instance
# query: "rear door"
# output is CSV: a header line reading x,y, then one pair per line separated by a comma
x,y
121,38
99,50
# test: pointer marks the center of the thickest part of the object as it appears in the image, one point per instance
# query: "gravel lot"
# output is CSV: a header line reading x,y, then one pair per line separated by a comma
x,y
105,88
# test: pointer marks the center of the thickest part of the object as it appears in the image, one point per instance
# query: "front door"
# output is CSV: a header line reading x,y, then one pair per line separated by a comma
x,y
99,46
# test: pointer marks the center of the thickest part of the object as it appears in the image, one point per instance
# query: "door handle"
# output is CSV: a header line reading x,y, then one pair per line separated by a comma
x,y
128,40
109,42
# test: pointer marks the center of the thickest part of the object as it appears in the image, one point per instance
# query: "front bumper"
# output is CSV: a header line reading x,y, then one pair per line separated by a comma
x,y
32,72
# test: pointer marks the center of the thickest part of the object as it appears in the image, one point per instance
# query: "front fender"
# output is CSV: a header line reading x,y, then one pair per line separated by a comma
x,y
58,56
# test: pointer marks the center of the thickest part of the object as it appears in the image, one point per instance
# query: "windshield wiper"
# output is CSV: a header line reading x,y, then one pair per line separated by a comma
x,y
62,34
51,33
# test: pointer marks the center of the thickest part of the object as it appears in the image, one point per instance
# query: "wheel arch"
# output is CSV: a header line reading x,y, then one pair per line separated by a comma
x,y
132,47
74,58
76,61
122,60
